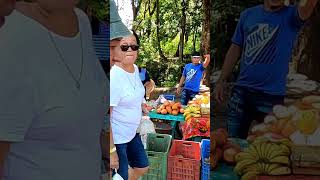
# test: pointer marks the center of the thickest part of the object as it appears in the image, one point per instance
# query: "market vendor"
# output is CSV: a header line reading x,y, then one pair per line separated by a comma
x,y
264,39
191,78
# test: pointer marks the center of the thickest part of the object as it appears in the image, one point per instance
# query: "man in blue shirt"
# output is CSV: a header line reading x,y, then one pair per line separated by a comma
x,y
191,76
263,40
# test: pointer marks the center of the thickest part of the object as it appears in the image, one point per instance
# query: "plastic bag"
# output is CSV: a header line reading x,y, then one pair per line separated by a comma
x,y
146,126
117,176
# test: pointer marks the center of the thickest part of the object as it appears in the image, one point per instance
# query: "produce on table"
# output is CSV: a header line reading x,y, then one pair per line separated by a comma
x,y
299,84
296,122
170,107
191,111
264,157
222,149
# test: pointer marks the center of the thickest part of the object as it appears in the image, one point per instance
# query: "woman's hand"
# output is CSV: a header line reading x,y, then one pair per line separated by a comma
x,y
144,109
114,160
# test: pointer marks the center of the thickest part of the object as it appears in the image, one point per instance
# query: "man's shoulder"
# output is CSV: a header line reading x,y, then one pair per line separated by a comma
x,y
251,10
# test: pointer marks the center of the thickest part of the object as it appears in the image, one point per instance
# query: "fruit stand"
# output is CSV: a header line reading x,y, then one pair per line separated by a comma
x,y
285,146
185,156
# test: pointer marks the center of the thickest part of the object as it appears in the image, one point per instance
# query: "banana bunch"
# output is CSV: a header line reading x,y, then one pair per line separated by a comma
x,y
264,157
191,111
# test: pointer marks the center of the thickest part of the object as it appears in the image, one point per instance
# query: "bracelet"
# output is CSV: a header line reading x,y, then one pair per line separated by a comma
x,y
113,150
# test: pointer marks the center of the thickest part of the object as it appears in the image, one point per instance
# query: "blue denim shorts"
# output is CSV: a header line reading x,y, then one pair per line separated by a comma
x,y
246,105
187,95
133,154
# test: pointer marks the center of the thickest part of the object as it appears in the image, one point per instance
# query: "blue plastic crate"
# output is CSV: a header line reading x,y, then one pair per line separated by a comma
x,y
205,153
170,97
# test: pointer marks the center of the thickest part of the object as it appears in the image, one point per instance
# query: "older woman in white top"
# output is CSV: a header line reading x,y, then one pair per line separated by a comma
x,y
52,95
126,98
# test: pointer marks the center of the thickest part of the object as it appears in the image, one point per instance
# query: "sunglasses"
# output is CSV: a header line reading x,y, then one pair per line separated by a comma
x,y
126,47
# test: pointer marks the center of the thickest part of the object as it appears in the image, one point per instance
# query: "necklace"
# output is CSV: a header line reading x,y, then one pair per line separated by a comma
x,y
135,80
77,81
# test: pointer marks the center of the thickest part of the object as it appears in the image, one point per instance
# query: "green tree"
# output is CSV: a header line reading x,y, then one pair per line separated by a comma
x,y
169,32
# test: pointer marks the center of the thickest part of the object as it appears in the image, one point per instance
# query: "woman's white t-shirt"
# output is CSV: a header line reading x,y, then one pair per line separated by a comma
x,y
126,97
53,127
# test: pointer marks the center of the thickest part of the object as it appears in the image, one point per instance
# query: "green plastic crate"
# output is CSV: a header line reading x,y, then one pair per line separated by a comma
x,y
159,142
158,146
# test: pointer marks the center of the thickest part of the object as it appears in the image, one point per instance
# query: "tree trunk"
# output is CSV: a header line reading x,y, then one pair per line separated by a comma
x,y
194,39
183,29
306,54
135,8
205,36
162,56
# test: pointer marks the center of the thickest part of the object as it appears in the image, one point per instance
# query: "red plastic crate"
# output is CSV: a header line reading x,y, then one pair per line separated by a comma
x,y
184,161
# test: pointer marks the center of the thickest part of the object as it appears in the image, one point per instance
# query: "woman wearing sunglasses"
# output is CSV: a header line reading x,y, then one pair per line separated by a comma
x,y
126,98
52,95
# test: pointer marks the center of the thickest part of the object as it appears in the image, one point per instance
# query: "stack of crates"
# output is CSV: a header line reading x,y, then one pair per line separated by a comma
x,y
184,161
158,146
205,154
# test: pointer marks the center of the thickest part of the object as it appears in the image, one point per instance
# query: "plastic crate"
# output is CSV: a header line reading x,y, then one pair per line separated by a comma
x,y
205,153
163,128
184,161
159,142
170,97
158,146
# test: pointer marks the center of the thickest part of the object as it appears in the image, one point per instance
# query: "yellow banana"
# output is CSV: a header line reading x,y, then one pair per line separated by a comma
x,y
252,150
242,165
275,151
286,142
188,116
268,150
249,175
271,167
285,149
263,150
244,155
280,171
280,160
258,150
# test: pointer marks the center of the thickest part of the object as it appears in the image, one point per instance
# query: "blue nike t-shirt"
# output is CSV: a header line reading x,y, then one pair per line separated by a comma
x,y
267,40
193,74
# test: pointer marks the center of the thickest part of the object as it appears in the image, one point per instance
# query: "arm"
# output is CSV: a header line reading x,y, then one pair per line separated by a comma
x,y
182,79
230,61
206,61
111,137
4,149
306,10
114,159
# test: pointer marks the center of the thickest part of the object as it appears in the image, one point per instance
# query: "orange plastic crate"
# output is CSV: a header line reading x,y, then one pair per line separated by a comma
x,y
184,161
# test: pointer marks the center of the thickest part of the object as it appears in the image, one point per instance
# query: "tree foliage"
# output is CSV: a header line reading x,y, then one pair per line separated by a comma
x,y
159,25
224,18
